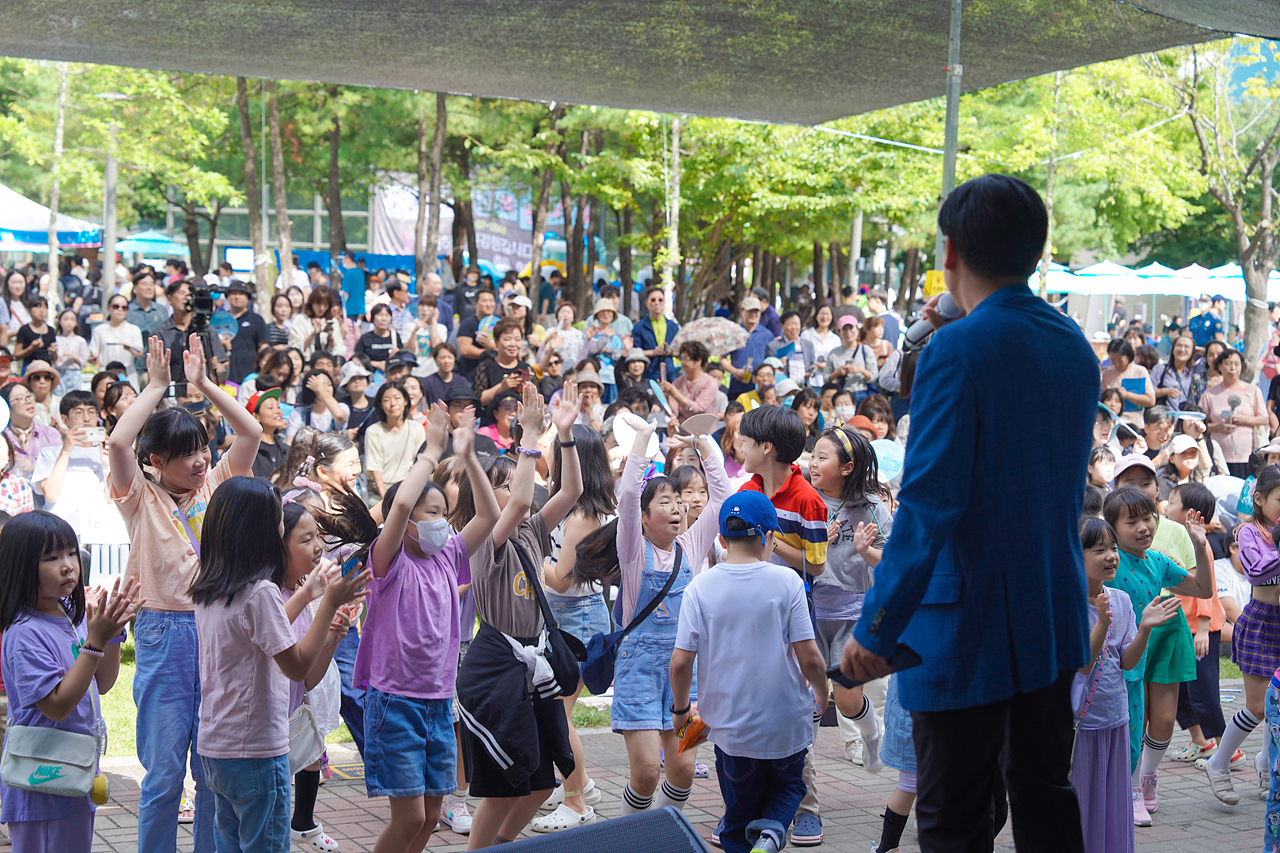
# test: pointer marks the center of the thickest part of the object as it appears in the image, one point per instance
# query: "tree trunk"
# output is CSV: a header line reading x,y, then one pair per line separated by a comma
x,y
855,252
434,167
682,293
55,188
624,260
910,274
541,199
191,229
837,270
333,198
459,240
757,266
579,277
261,272
768,280
573,289
819,274
213,231
672,256
278,187
424,202
738,286
740,275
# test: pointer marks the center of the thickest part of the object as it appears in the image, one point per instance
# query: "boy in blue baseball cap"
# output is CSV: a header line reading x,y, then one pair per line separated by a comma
x,y
749,623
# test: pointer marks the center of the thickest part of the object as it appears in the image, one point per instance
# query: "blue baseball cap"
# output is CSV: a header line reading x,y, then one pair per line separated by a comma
x,y
754,509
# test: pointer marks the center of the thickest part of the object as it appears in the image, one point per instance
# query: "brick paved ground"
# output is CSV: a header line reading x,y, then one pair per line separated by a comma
x,y
1190,819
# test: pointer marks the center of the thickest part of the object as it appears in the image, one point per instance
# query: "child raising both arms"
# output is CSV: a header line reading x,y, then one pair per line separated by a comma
x,y
162,488
60,646
1100,763
248,656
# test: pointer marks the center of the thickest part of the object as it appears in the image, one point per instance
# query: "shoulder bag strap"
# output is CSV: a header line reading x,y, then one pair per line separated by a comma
x,y
186,524
653,603
532,576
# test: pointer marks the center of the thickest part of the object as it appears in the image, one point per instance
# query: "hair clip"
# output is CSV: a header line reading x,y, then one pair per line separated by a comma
x,y
304,483
311,460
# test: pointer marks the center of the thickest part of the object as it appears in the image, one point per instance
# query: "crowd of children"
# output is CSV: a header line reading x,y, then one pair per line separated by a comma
x,y
427,589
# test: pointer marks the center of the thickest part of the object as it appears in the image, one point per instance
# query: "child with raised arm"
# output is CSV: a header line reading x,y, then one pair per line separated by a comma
x,y
749,622
162,489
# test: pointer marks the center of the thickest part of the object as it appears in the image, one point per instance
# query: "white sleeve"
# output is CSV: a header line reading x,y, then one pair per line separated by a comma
x,y
689,628
800,626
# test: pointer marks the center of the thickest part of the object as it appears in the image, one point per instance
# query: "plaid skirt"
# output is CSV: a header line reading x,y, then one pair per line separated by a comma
x,y
1255,646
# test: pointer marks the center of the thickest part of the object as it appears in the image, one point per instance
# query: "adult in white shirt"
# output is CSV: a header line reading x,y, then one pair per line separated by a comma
x,y
297,278
72,476
117,339
823,339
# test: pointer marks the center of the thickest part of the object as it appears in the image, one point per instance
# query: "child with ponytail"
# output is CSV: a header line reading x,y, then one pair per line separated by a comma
x,y
639,549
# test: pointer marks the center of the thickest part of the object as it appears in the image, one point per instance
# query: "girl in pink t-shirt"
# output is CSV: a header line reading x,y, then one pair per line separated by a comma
x,y
248,656
408,653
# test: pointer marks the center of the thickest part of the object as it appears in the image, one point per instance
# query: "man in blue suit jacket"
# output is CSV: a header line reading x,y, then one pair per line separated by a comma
x,y
646,337
984,574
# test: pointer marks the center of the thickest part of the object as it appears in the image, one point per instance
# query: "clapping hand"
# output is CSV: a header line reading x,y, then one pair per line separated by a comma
x,y
1160,611
566,410
1102,605
464,433
864,536
108,613
193,362
437,431
1195,528
532,410
157,363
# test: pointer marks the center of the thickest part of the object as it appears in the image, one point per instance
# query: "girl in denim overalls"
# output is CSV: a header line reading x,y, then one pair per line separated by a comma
x,y
640,546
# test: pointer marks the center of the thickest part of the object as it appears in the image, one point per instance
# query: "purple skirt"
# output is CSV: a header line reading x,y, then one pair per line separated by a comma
x,y
1255,646
1104,785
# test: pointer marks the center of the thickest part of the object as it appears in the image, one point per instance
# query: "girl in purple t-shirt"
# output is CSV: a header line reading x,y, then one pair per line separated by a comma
x,y
57,649
408,653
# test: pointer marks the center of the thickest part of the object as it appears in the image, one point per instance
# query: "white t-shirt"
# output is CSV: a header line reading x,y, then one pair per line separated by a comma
x,y
741,619
83,499
1231,583
108,343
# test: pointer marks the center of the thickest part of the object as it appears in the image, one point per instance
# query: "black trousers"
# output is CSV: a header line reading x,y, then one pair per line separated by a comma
x,y
968,757
1198,701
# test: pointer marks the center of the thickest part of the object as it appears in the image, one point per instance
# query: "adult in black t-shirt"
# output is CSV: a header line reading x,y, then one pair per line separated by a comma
x,y
377,346
471,344
458,399
251,334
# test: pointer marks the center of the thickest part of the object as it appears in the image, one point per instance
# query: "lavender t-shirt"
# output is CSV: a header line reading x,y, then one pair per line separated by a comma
x,y
409,645
36,654
244,695
1110,705
298,689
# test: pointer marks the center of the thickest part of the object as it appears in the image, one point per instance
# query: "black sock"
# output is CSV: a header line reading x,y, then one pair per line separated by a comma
x,y
891,832
306,785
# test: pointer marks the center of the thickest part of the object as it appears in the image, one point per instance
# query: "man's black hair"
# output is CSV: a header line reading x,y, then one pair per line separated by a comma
x,y
998,226
72,399
777,426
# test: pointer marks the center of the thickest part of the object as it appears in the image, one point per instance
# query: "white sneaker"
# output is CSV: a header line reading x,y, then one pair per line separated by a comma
x,y
853,752
455,814
562,818
1264,775
315,838
871,752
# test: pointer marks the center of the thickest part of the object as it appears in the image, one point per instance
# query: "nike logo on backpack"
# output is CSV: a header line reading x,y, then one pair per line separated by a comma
x,y
45,773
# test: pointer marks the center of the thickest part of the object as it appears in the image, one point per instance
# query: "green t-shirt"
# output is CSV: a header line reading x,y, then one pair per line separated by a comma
x,y
1142,581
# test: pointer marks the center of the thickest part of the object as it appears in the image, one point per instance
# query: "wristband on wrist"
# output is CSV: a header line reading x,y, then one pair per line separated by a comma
x,y
686,709
532,454
90,650
562,444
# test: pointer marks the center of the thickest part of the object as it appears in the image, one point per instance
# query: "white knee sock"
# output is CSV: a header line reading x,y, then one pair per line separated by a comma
x,y
865,720
670,795
633,802
1237,730
1152,753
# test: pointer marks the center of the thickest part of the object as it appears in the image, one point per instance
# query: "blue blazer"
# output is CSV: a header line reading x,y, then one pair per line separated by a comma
x,y
983,574
642,336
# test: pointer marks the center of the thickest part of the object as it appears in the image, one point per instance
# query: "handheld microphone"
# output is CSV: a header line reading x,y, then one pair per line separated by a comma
x,y
920,331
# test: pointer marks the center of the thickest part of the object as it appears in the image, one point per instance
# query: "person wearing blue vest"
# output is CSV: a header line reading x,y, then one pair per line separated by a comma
x,y
983,574
654,335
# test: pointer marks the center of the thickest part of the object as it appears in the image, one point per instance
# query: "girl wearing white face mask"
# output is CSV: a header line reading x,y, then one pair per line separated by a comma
x,y
408,653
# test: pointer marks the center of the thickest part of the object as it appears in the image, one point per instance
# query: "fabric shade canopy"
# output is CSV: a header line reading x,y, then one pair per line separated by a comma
x,y
153,244
774,60
24,226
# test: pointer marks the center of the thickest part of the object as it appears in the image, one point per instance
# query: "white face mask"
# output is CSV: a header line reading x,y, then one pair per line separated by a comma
x,y
845,413
433,535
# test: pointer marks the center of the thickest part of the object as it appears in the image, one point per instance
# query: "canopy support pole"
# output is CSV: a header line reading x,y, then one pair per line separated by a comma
x,y
951,144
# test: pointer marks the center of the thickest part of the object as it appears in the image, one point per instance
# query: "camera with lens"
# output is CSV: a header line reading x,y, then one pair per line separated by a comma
x,y
200,304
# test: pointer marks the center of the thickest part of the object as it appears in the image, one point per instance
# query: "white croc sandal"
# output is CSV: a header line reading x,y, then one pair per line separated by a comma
x,y
315,838
562,818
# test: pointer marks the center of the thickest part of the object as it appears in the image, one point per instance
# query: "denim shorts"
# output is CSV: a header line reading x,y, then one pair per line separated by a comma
x,y
642,685
583,617
409,748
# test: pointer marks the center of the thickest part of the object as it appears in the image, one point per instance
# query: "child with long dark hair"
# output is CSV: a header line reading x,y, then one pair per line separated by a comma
x,y
249,654
638,550
60,646
162,488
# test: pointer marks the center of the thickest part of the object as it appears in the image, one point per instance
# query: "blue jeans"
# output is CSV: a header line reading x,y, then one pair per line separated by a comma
x,y
760,798
253,803
352,706
166,691
1271,829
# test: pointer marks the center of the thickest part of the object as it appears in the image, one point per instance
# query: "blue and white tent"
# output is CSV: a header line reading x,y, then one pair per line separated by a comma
x,y
24,226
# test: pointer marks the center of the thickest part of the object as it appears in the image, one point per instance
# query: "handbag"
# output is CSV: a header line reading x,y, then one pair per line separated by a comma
x,y
305,742
602,649
52,760
564,651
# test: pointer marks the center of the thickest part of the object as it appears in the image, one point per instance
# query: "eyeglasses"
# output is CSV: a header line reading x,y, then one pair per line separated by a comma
x,y
119,307
668,505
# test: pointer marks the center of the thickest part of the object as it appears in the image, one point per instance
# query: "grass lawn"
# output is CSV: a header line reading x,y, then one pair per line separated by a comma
x,y
121,715
1227,669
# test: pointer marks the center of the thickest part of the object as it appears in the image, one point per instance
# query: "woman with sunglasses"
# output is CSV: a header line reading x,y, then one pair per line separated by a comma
x,y
117,339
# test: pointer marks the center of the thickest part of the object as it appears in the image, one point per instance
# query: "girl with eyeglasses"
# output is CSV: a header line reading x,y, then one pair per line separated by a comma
x,y
117,339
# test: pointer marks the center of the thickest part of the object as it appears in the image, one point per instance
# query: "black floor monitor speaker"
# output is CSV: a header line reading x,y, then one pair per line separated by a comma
x,y
663,830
